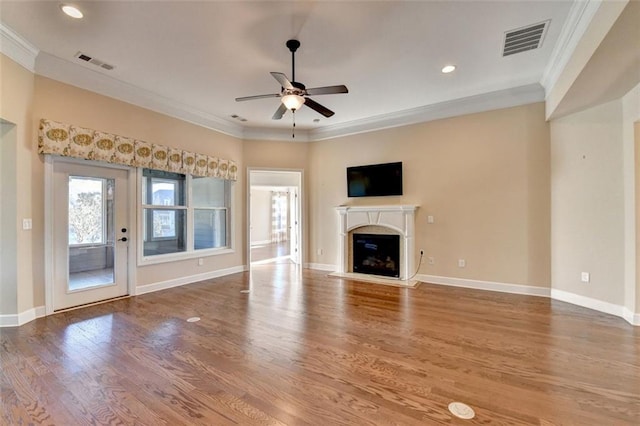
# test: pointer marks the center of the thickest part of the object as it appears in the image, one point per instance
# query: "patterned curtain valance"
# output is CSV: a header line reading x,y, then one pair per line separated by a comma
x,y
73,141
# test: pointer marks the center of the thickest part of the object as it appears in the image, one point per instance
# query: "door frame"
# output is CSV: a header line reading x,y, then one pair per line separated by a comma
x,y
49,161
299,173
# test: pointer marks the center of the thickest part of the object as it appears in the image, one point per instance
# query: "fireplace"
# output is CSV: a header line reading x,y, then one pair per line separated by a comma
x,y
376,254
391,221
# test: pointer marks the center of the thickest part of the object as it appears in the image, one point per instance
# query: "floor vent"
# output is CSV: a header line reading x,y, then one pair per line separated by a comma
x,y
86,58
524,39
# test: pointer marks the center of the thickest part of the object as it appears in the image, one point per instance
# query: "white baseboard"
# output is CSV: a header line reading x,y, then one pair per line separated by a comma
x,y
485,285
150,288
588,302
631,317
16,320
320,266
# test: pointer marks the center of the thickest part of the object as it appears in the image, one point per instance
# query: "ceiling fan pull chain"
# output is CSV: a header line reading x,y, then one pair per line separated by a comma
x,y
293,129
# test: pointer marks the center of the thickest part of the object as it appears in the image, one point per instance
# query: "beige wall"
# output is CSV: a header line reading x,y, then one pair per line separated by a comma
x,y
276,154
16,97
68,104
588,203
484,177
260,215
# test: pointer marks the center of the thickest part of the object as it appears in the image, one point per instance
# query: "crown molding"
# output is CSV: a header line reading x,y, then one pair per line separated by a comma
x,y
76,75
505,98
580,16
271,134
17,48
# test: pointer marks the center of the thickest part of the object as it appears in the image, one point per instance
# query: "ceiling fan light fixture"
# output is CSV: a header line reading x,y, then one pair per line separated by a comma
x,y
293,102
448,68
72,11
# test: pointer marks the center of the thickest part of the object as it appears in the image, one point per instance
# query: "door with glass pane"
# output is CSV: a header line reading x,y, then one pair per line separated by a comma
x,y
90,234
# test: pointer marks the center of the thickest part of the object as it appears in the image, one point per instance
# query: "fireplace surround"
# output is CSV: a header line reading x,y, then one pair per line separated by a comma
x,y
391,219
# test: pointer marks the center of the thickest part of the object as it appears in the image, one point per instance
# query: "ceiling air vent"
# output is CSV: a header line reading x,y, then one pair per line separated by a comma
x,y
523,39
94,61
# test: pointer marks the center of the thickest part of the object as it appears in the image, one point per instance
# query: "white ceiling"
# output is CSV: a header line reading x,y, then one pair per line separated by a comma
x,y
197,57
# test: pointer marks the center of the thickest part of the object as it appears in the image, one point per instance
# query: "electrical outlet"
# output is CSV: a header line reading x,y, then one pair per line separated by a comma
x,y
320,251
584,277
200,261
432,260
429,219
27,224
462,263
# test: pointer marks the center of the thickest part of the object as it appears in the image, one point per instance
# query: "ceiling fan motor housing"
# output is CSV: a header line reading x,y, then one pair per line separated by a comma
x,y
293,45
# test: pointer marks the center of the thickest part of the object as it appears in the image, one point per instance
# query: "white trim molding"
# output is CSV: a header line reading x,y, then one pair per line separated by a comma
x,y
85,78
190,279
527,290
588,302
17,320
631,317
17,48
580,16
505,98
320,266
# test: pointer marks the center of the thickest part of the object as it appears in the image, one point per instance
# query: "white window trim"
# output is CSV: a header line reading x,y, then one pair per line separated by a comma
x,y
189,253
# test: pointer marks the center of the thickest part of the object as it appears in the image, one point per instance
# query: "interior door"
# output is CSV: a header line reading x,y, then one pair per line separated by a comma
x,y
90,234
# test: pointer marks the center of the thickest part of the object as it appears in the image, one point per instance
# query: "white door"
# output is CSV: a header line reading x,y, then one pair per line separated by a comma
x,y
294,225
90,233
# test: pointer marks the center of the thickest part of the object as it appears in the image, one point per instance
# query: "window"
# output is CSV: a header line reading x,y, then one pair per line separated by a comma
x,y
88,210
183,214
210,212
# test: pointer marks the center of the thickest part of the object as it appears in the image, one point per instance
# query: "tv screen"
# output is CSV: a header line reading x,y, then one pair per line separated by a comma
x,y
375,180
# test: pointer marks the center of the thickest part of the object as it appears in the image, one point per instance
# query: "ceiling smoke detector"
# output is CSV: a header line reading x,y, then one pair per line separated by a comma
x,y
524,39
86,58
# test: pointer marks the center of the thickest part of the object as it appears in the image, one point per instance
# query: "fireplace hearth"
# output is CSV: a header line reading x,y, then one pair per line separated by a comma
x,y
376,254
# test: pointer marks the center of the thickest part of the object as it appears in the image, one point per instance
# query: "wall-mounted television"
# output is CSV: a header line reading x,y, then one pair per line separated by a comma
x,y
375,180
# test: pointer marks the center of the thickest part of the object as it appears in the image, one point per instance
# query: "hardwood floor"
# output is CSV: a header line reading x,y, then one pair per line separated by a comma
x,y
271,253
303,348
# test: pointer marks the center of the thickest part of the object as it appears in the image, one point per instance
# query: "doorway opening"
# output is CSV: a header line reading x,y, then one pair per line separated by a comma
x,y
275,229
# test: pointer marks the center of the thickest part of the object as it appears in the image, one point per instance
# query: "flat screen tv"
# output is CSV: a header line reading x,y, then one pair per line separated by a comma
x,y
375,180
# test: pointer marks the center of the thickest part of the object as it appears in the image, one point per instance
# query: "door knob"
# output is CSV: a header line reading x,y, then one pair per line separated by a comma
x,y
123,239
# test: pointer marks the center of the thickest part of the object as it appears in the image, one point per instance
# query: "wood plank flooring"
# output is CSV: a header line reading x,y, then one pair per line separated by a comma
x,y
305,349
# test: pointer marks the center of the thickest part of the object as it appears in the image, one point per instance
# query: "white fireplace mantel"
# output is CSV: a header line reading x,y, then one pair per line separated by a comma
x,y
399,218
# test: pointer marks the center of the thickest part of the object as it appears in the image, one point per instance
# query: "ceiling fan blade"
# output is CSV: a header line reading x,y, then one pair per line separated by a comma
x,y
250,98
318,108
283,80
328,90
279,112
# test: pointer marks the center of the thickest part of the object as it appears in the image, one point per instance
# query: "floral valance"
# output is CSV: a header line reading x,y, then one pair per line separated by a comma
x,y
74,141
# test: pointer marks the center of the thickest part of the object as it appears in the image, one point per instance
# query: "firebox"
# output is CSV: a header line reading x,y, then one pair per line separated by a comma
x,y
376,254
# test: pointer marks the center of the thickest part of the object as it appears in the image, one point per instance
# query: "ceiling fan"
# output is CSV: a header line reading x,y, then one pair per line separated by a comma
x,y
294,94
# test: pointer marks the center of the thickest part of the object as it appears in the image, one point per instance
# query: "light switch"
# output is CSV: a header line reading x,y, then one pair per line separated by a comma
x,y
27,224
429,219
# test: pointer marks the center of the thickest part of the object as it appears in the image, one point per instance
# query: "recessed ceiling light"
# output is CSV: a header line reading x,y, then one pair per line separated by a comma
x,y
71,10
449,68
